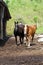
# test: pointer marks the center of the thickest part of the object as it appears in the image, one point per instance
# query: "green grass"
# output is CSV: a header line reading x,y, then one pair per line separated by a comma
x,y
27,10
39,30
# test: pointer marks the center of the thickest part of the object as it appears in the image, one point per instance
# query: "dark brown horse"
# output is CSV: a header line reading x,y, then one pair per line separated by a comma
x,y
19,31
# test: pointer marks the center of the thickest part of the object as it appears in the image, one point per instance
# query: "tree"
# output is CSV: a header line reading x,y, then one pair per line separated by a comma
x,y
7,1
36,20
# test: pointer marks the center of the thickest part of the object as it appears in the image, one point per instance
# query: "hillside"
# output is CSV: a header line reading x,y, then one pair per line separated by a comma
x,y
27,10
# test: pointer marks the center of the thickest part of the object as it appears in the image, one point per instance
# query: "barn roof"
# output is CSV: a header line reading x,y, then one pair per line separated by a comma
x,y
7,15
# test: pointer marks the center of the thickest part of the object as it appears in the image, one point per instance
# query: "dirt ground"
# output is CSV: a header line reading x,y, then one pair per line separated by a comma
x,y
11,54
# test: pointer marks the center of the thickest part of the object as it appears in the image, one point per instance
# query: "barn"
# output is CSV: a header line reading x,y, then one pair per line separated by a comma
x,y
4,17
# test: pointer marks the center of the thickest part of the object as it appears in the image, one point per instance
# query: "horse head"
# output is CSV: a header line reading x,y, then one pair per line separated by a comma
x,y
16,25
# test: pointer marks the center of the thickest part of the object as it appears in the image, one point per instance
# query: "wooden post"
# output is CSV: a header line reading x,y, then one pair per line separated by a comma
x,y
2,16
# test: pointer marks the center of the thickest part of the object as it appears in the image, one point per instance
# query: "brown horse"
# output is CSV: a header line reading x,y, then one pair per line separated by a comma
x,y
29,32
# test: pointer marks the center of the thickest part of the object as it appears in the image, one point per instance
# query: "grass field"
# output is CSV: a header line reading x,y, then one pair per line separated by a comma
x,y
26,10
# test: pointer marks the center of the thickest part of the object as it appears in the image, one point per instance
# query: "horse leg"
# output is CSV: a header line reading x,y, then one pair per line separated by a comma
x,y
28,39
16,40
20,39
32,37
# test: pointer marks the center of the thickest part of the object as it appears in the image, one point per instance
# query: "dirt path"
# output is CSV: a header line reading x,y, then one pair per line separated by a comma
x,y
10,54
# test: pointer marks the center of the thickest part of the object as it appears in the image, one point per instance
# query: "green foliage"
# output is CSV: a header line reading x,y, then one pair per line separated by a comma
x,y
38,1
7,1
28,10
35,19
31,0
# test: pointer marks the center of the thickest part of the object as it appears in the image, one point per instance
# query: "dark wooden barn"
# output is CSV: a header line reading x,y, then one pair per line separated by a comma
x,y
4,17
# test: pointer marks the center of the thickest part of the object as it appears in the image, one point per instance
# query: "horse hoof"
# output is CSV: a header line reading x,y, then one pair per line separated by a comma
x,y
21,42
18,44
28,47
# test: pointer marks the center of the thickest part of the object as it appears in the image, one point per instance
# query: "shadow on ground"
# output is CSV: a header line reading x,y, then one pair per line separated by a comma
x,y
3,41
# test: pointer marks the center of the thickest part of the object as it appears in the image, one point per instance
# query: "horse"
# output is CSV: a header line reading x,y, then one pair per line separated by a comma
x,y
19,31
29,33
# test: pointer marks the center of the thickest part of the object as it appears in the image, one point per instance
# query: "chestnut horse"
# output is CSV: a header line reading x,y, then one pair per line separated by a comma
x,y
29,31
19,31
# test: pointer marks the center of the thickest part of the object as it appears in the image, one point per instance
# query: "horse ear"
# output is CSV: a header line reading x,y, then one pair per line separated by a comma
x,y
17,22
14,22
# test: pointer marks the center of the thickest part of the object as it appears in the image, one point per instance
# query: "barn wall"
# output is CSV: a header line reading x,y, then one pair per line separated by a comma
x,y
1,21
